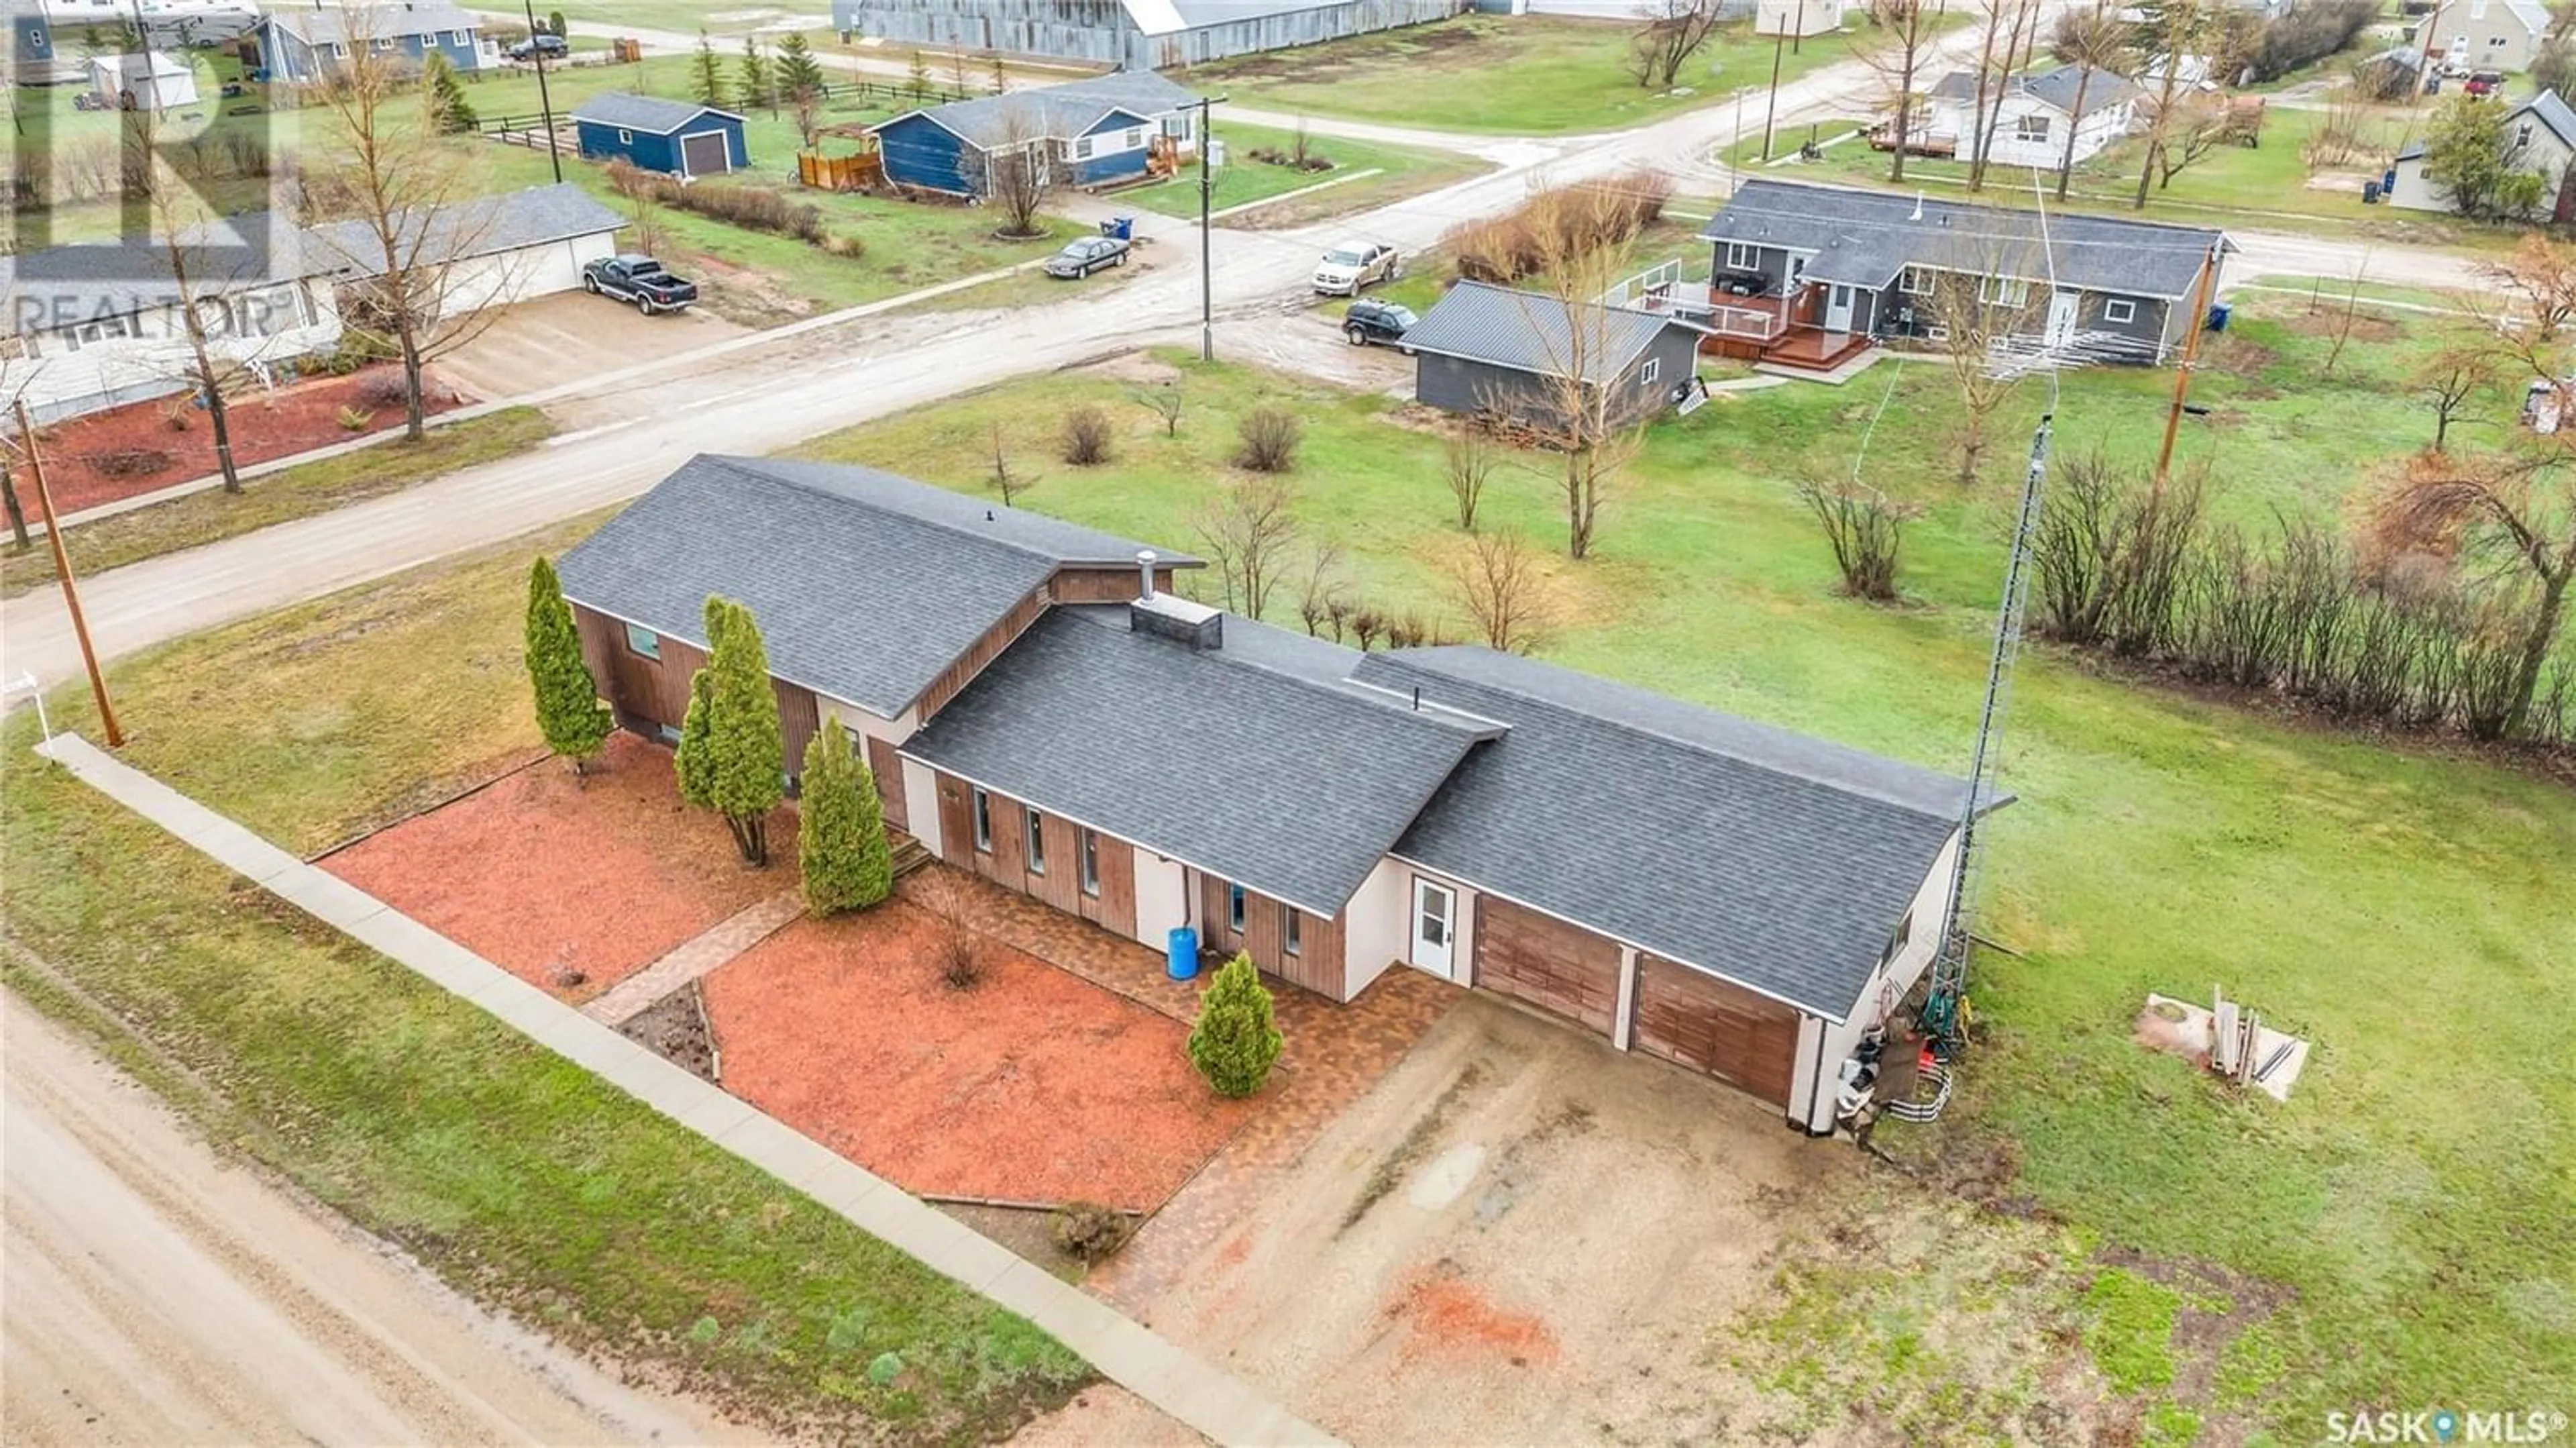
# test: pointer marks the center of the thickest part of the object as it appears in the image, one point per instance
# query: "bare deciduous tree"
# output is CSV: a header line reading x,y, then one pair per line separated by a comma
x,y
1018,174
1164,400
1469,458
2539,278
1673,31
2449,379
2518,512
2021,38
2351,313
1866,530
1974,313
1006,482
1504,587
1324,595
2095,41
1249,528
2177,29
1910,27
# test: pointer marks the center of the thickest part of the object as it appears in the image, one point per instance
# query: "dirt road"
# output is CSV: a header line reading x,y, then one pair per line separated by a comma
x,y
158,1295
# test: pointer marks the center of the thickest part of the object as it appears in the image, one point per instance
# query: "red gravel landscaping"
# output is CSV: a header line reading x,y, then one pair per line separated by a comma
x,y
539,871
265,426
1032,1086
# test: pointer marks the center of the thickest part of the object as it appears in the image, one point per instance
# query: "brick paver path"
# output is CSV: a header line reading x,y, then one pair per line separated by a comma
x,y
1133,1356
722,941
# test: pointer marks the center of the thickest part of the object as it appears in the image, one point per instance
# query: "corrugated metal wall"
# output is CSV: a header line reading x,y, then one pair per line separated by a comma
x,y
1279,32
1100,31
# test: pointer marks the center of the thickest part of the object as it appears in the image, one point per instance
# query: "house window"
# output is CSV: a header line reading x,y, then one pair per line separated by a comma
x,y
2522,134
1234,908
2119,309
1135,137
1082,148
339,49
1037,843
2005,292
1647,374
2495,42
1797,272
2030,128
104,329
1291,930
458,37
1914,281
643,641
1742,256
1091,864
983,822
384,42
626,138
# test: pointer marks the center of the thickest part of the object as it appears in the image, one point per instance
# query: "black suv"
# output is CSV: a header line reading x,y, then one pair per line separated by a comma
x,y
550,46
1374,321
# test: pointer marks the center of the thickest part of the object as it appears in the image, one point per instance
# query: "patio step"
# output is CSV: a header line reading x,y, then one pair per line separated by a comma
x,y
908,855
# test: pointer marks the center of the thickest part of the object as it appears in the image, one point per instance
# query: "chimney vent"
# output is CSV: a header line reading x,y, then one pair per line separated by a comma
x,y
1170,616
1145,575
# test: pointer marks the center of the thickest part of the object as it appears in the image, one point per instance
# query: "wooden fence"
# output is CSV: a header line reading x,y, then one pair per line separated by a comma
x,y
840,173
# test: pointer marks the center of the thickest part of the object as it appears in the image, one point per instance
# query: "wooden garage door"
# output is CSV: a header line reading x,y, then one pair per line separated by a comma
x,y
1546,962
705,154
1708,1025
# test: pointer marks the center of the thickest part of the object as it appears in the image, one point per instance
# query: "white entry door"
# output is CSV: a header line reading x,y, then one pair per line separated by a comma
x,y
1435,936
2061,318
1838,307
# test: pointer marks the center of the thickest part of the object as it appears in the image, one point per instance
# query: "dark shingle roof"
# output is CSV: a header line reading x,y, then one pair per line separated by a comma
x,y
1532,332
1234,760
1770,858
644,113
2057,87
1057,112
321,25
482,226
1864,238
866,585
2551,112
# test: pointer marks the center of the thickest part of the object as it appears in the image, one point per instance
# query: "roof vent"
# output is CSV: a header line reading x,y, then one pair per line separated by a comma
x,y
1170,616
1145,575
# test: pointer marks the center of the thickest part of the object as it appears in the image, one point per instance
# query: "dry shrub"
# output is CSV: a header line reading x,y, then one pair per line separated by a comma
x,y
1087,435
384,389
1866,530
1269,438
845,244
129,462
754,208
1089,1232
1575,220
955,947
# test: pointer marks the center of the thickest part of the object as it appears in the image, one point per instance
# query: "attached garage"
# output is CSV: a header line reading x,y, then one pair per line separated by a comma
x,y
1709,1025
1561,969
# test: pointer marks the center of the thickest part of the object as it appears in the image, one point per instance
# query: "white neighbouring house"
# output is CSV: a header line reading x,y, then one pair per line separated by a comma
x,y
2484,34
1797,18
91,327
2027,116
150,81
2539,136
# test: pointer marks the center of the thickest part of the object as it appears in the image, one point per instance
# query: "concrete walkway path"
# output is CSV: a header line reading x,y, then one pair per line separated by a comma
x,y
721,942
1127,1353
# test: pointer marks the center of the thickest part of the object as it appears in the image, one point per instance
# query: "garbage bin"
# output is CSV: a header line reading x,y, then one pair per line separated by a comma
x,y
2218,317
1183,943
1121,227
2369,193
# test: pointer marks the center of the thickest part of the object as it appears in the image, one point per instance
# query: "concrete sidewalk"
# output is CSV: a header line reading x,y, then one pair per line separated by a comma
x,y
1127,1353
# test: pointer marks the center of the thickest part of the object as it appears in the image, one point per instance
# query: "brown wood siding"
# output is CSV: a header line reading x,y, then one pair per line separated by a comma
x,y
956,821
1115,907
982,652
888,770
799,720
1317,966
1007,863
1101,585
647,693
1213,930
1710,1025
1559,968
600,637
1061,885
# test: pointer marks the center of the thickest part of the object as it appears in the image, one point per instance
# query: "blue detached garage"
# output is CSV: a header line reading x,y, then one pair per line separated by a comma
x,y
1101,131
678,138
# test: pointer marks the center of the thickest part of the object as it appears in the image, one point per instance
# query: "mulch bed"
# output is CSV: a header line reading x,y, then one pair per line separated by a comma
x,y
80,455
542,873
675,1029
1031,1086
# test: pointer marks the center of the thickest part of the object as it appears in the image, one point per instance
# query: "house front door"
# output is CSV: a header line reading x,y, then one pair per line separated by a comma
x,y
1838,307
2061,318
1435,936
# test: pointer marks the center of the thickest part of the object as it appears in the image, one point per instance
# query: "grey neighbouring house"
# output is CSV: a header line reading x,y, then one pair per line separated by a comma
x,y
1504,353
1039,708
1809,276
2539,137
308,45
1135,34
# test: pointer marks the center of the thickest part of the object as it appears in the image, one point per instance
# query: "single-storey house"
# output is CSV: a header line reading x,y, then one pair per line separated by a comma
x,y
150,81
2027,117
1137,34
1039,708
1497,352
1094,132
96,326
1821,271
2484,34
2539,137
677,138
1797,19
303,45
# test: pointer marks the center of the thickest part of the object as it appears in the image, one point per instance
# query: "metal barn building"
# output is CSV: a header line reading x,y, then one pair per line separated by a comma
x,y
1136,34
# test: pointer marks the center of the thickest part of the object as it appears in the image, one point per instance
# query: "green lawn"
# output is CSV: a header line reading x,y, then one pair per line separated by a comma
x,y
1515,75
1400,171
514,1175
2403,908
296,492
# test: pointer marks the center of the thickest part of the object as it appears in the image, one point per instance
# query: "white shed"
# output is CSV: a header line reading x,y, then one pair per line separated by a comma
x,y
150,81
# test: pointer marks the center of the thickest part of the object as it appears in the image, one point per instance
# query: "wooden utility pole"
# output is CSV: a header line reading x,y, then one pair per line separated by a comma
x,y
63,572
2182,371
1771,112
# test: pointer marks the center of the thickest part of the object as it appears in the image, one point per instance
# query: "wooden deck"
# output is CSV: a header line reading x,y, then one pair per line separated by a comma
x,y
1815,349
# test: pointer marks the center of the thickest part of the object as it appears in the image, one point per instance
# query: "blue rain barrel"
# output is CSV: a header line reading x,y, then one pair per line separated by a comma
x,y
2218,317
1184,946
1121,227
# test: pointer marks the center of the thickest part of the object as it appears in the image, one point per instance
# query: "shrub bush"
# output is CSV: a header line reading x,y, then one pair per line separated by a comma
x,y
1269,438
1089,1232
754,208
1235,1043
130,462
1086,435
353,419
384,389
1566,221
2308,34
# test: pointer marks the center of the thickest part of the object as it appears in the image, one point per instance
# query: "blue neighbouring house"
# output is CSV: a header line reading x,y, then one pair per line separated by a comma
x,y
306,46
678,138
1095,132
